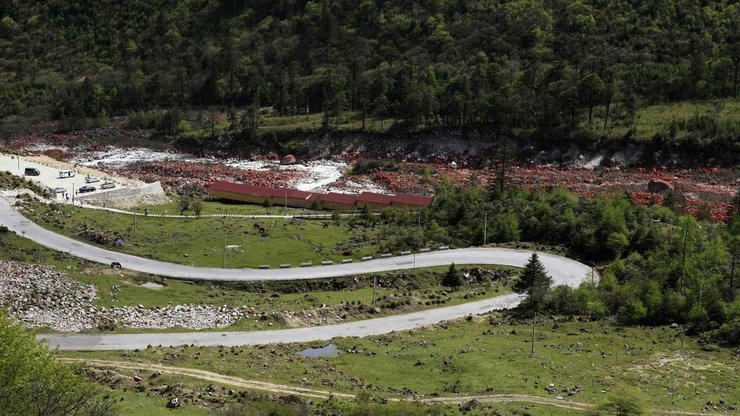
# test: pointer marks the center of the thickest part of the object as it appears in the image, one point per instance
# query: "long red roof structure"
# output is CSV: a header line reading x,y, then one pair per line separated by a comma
x,y
231,190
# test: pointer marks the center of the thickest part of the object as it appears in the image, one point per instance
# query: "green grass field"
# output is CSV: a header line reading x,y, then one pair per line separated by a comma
x,y
347,121
352,299
658,118
201,241
481,357
648,120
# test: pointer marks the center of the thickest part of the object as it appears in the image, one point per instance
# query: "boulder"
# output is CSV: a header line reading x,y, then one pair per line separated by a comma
x,y
658,186
288,160
173,402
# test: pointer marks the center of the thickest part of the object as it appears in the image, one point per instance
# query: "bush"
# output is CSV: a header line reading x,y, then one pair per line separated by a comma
x,y
728,335
632,312
622,402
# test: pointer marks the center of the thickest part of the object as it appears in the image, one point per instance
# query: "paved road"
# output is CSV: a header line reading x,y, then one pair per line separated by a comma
x,y
563,271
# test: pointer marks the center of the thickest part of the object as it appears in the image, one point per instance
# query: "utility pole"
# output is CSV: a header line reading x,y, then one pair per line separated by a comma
x,y
534,318
485,229
503,168
375,283
683,256
223,228
732,274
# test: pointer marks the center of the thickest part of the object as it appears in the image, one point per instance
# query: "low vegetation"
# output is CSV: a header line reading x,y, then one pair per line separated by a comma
x,y
33,383
11,181
251,241
584,362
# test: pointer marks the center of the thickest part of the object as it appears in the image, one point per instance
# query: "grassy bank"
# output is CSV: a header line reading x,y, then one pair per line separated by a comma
x,y
201,241
308,302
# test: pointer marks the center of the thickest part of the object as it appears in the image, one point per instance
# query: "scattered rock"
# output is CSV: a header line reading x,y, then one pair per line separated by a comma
x,y
173,402
469,405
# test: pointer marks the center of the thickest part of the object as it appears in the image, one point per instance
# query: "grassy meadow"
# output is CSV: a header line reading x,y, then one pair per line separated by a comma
x,y
200,241
268,124
584,361
658,118
647,121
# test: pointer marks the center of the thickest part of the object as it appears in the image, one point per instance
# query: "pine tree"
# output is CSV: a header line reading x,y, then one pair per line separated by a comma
x,y
534,282
452,278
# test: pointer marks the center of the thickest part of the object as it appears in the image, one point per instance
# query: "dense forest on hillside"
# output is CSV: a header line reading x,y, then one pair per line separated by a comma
x,y
538,65
660,267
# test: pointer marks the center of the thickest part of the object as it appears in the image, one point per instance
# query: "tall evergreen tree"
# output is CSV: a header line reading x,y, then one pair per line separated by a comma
x,y
534,282
452,278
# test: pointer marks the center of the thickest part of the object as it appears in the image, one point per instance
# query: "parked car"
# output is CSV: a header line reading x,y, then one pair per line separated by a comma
x,y
107,185
32,172
59,190
91,179
86,189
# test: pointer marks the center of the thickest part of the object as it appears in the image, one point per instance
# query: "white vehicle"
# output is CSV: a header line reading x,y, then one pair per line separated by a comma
x,y
107,185
66,174
91,179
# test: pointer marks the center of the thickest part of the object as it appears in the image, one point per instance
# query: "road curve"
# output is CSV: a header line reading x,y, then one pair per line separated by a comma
x,y
564,271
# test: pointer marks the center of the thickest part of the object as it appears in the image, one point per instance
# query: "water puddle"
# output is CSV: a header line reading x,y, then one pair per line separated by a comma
x,y
327,351
152,285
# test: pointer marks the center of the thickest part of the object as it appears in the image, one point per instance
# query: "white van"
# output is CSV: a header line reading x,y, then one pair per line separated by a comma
x,y
66,173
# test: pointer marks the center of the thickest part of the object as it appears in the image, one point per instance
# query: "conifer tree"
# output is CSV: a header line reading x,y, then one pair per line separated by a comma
x,y
534,282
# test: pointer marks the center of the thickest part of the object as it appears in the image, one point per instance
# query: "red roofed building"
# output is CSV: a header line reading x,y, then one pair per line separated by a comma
x,y
338,202
299,199
373,200
302,199
411,201
241,192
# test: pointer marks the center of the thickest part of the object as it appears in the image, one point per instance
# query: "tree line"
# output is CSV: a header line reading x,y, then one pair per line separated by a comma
x,y
533,64
656,265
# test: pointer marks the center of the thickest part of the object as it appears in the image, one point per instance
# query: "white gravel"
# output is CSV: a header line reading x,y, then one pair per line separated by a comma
x,y
40,296
322,175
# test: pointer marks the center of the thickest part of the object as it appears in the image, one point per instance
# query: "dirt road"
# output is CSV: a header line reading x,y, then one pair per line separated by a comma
x,y
283,389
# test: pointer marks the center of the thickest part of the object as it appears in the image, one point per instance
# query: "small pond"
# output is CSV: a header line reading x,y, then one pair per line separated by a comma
x,y
327,351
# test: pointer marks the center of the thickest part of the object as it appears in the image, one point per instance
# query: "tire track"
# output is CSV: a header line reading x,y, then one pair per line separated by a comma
x,y
324,394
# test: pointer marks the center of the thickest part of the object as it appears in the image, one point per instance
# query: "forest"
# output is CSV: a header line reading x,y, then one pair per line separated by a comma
x,y
656,266
551,68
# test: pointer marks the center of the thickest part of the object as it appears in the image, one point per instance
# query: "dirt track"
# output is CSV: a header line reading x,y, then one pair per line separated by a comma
x,y
323,394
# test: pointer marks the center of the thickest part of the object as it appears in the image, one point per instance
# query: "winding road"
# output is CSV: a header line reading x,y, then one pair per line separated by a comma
x,y
564,271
